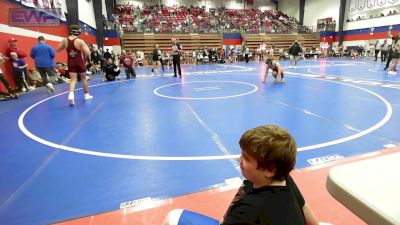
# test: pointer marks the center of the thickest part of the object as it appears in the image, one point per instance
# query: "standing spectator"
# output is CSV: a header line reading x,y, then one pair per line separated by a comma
x,y
341,51
112,71
157,58
263,49
271,52
246,54
160,58
139,57
294,51
77,51
395,39
127,62
281,54
112,54
107,55
176,56
389,58
395,57
96,60
193,56
371,49
101,57
384,51
377,50
13,48
43,55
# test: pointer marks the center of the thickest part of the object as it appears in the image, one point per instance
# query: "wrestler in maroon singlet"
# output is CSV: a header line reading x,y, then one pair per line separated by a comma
x,y
77,51
76,62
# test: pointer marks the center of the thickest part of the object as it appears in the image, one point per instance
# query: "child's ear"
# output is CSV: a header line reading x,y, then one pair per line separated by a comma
x,y
269,172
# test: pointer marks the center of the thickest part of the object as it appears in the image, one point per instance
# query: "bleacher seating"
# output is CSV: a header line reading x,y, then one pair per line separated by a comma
x,y
191,19
145,42
283,41
195,28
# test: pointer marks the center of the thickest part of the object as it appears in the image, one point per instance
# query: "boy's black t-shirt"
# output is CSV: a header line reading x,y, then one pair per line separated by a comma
x,y
269,205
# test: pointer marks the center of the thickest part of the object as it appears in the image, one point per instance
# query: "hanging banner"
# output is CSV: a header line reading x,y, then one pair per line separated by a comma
x,y
29,3
371,3
361,4
381,2
45,4
57,5
352,6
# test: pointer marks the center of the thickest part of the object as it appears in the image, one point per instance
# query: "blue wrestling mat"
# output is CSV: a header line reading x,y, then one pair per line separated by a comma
x,y
161,137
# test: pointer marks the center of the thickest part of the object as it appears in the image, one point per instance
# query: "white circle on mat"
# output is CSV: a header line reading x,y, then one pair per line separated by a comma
x,y
157,90
22,127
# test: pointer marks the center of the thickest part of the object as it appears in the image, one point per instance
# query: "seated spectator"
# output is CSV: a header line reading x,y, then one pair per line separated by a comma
x,y
111,71
62,70
35,78
195,19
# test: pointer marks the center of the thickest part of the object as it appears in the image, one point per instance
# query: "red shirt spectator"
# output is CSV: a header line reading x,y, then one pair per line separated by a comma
x,y
13,48
127,61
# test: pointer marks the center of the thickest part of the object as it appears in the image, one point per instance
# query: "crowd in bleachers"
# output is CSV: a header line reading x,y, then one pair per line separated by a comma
x,y
169,19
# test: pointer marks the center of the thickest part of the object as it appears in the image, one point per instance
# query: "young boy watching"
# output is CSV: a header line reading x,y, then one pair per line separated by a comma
x,y
269,195
18,71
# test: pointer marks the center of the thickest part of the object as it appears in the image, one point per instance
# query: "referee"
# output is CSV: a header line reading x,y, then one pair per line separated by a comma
x,y
176,56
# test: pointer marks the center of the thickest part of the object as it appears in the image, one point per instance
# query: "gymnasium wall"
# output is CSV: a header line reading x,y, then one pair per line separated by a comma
x,y
103,8
290,8
27,36
362,36
355,33
86,13
320,9
377,22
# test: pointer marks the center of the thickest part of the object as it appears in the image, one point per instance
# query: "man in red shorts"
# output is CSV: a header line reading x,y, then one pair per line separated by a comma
x,y
78,52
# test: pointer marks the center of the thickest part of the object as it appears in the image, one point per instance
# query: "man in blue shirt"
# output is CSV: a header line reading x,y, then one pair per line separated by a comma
x,y
43,55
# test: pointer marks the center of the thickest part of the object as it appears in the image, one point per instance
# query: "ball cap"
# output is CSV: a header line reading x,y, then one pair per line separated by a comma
x,y
12,40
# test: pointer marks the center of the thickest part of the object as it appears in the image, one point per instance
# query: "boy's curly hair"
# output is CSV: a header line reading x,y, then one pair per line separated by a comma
x,y
273,148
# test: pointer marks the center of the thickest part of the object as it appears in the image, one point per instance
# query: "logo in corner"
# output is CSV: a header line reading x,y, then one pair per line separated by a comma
x,y
39,17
